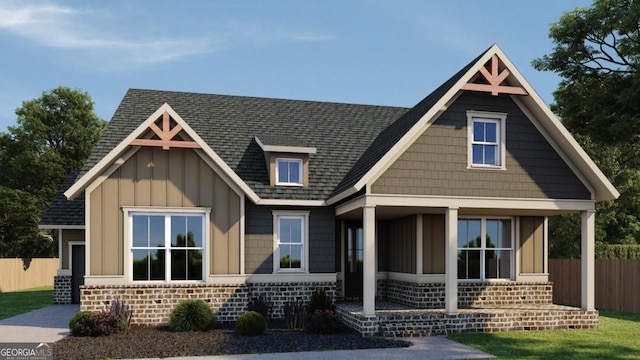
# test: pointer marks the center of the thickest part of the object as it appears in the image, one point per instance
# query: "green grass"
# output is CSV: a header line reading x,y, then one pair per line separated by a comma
x,y
618,337
19,302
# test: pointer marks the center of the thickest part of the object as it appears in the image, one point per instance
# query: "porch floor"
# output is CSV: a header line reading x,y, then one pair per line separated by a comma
x,y
398,320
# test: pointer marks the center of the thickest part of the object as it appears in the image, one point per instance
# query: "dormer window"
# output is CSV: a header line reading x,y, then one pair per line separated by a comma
x,y
289,172
486,133
287,159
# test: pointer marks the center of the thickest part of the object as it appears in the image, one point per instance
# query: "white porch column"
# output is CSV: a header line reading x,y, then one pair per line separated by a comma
x,y
451,262
369,260
587,251
419,246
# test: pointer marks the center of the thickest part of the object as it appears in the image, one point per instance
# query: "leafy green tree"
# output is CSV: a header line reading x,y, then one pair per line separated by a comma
x,y
55,134
597,54
19,235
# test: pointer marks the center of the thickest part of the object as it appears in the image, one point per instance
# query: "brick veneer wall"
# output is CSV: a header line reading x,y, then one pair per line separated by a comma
x,y
426,323
152,304
62,289
432,295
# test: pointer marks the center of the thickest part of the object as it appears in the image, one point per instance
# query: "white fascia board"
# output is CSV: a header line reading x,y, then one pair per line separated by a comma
x,y
285,149
286,202
77,188
479,202
604,189
425,121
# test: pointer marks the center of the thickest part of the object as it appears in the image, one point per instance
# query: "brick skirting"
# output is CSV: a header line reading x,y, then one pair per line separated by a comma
x,y
403,322
152,304
62,289
432,295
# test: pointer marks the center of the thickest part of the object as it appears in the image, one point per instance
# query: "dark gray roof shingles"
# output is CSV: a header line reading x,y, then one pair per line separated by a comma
x,y
349,139
63,211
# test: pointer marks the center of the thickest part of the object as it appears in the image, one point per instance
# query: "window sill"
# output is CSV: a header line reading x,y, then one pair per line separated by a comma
x,y
486,167
290,184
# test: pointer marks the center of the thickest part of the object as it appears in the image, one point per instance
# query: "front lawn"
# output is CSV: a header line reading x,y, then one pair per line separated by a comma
x,y
19,302
618,337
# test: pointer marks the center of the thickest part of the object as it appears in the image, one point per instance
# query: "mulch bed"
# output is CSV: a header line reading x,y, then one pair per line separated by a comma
x,y
159,342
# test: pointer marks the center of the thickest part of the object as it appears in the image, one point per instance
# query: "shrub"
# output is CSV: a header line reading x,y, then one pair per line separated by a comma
x,y
121,310
79,323
319,301
260,305
251,323
294,314
324,322
191,315
91,323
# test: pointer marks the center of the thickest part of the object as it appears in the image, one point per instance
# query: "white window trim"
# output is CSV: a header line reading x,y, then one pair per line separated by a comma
x,y
128,230
483,247
304,266
300,172
500,119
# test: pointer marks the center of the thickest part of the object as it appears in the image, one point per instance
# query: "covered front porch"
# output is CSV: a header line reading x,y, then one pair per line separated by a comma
x,y
420,275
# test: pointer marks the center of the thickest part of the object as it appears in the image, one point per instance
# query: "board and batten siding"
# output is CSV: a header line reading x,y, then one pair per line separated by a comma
x,y
436,163
259,238
153,177
401,244
532,250
433,229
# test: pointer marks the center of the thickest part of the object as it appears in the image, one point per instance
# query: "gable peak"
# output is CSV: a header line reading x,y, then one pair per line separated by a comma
x,y
494,76
165,132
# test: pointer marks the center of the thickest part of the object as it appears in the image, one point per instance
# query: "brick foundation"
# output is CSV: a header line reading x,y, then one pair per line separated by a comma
x,y
432,295
152,304
412,322
62,289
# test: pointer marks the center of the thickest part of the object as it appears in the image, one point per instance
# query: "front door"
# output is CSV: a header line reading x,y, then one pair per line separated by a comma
x,y
77,272
354,250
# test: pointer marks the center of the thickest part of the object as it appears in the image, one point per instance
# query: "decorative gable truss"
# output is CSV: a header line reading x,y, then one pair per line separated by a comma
x,y
170,135
491,78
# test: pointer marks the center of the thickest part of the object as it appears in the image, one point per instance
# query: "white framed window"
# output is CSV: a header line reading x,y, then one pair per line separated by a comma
x,y
291,239
167,245
485,248
288,172
486,139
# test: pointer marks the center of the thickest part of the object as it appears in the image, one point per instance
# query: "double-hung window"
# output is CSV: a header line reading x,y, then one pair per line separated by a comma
x,y
485,249
291,234
289,172
486,139
167,246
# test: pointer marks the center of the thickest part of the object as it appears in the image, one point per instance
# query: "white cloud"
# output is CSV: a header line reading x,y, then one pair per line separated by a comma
x,y
82,29
63,27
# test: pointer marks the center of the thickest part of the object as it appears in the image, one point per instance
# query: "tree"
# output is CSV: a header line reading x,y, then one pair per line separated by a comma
x,y
597,54
55,134
19,217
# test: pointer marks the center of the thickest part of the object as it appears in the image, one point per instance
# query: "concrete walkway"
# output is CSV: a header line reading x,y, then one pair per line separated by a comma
x,y
51,323
48,324
424,348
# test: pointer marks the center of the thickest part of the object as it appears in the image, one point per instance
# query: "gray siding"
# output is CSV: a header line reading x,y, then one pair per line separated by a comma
x,y
259,238
436,164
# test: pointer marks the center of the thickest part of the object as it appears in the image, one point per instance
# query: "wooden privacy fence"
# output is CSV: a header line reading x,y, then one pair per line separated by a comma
x,y
14,276
617,283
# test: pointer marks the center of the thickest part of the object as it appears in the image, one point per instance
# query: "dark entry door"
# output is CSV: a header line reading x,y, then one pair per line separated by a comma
x,y
77,272
354,250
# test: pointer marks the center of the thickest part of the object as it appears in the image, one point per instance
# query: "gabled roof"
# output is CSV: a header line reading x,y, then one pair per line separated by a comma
x,y
340,133
64,213
394,140
354,144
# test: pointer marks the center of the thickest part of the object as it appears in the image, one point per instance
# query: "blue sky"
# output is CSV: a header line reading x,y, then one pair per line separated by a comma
x,y
365,52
